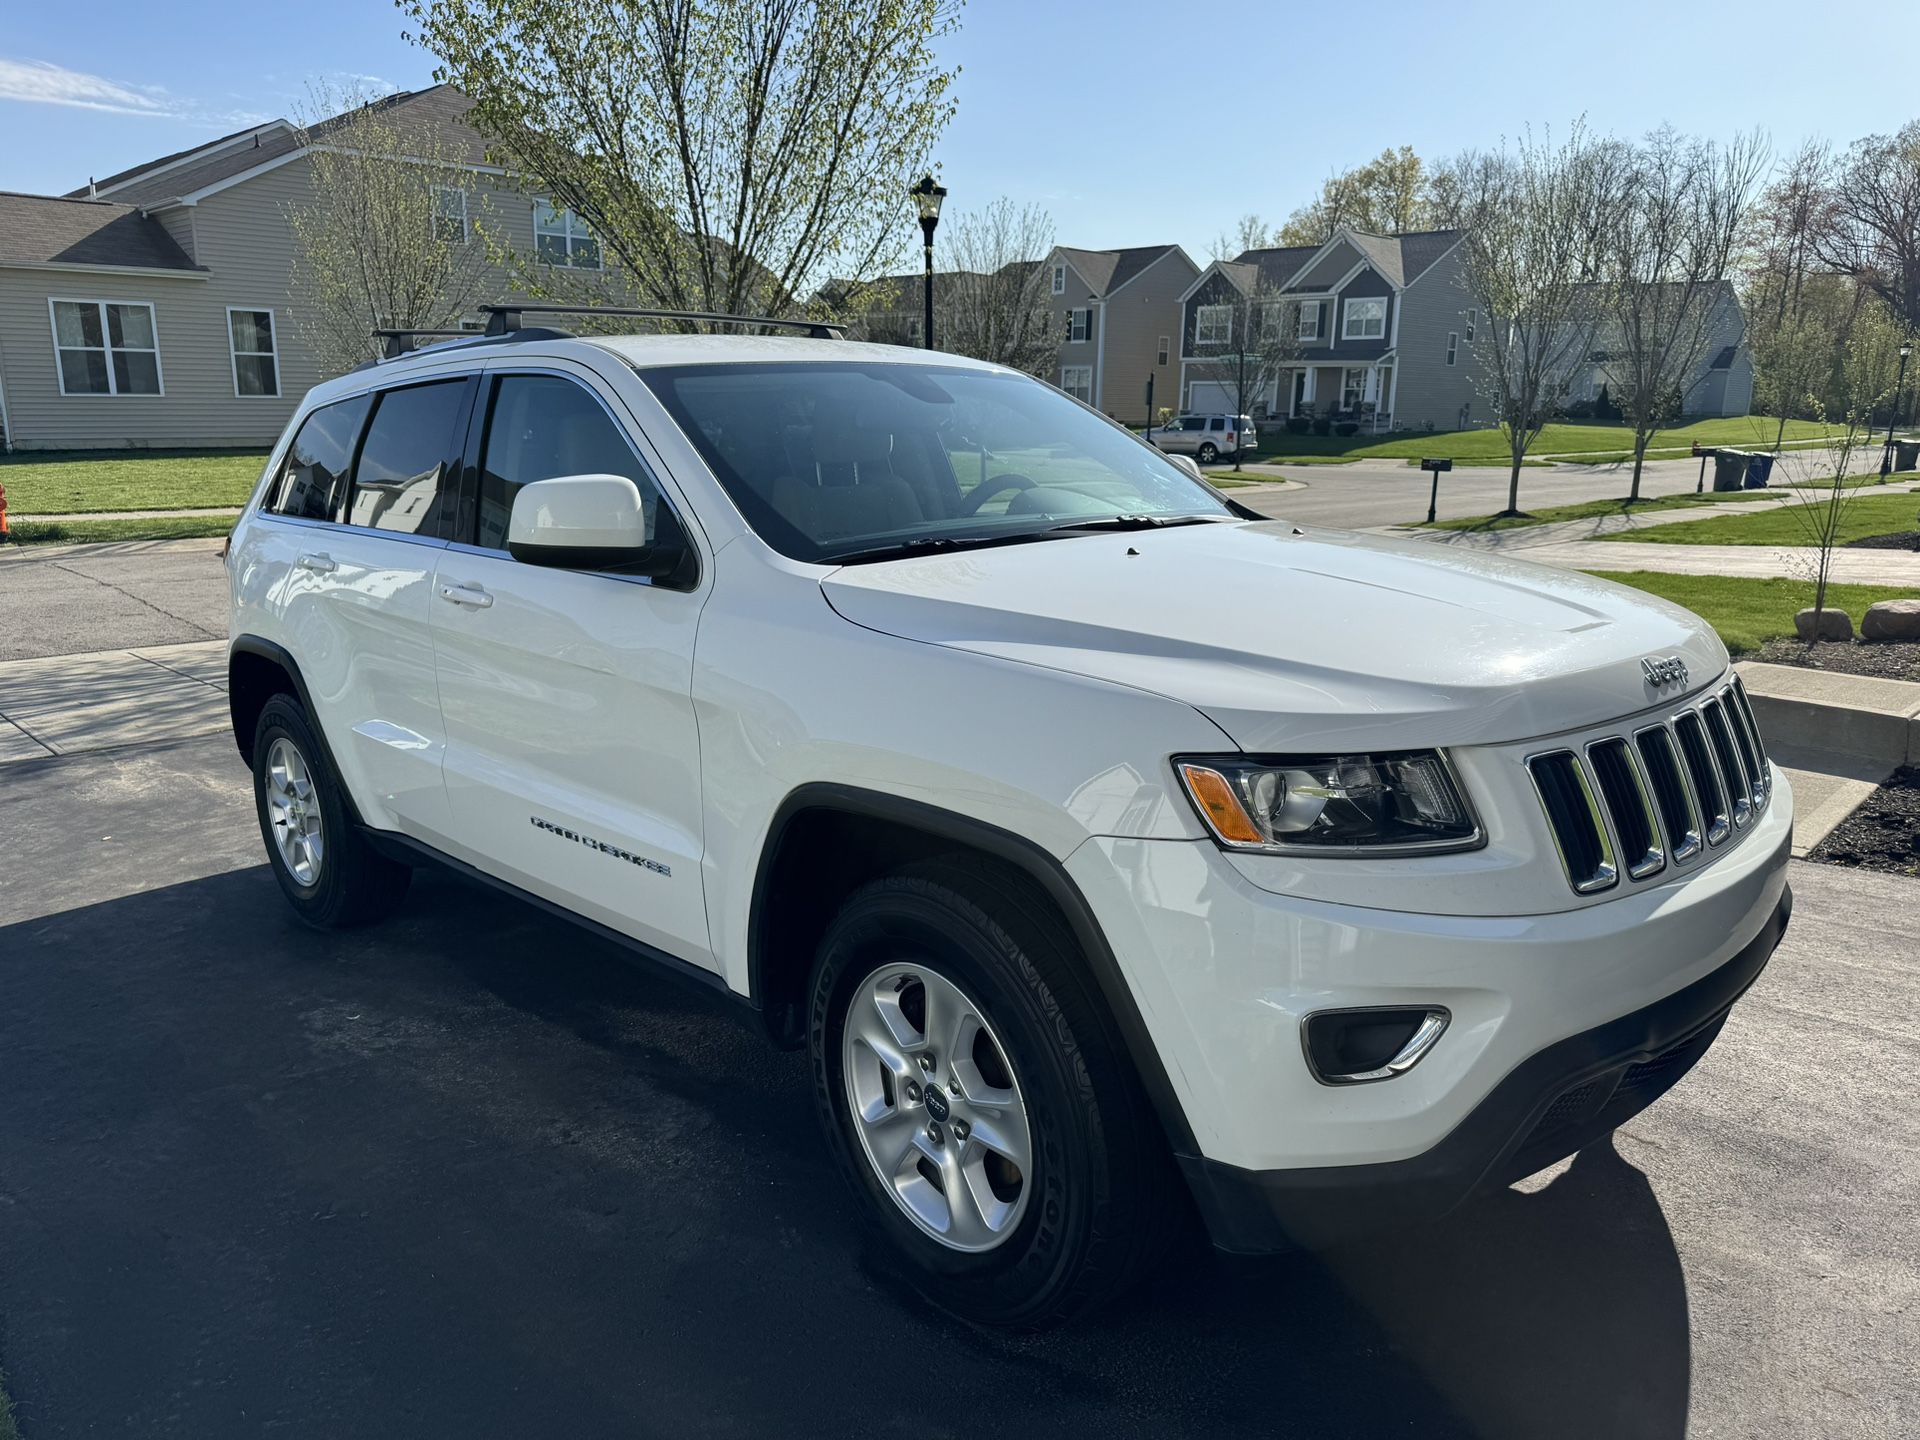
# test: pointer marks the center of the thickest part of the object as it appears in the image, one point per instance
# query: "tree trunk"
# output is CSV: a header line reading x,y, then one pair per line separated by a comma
x,y
1640,440
1513,483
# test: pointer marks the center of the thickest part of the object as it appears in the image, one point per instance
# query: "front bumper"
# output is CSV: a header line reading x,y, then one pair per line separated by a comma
x,y
1557,1101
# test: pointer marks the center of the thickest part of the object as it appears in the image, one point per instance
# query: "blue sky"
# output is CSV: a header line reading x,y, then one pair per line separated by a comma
x,y
1131,122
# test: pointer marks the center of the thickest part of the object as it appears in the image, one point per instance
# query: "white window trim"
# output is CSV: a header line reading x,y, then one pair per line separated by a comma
x,y
1163,352
1473,319
466,219
233,355
1346,316
106,348
1059,279
567,221
1079,326
1364,372
1086,370
1453,345
1303,331
1202,314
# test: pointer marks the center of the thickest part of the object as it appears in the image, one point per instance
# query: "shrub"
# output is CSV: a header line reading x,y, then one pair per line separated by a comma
x,y
1323,426
1347,427
1298,424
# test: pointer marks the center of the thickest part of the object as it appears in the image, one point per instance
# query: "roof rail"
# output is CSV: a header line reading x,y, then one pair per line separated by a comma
x,y
399,342
505,319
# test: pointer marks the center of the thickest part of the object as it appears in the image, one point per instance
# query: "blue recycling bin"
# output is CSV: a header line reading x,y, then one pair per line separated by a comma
x,y
1759,468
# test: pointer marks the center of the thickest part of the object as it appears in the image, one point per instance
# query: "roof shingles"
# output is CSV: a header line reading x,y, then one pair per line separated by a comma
x,y
53,230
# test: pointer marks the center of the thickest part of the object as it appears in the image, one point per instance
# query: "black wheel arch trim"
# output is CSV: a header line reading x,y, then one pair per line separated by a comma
x,y
280,656
1032,860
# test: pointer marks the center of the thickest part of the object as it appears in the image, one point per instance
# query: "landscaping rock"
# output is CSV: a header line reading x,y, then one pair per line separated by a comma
x,y
1834,625
1891,620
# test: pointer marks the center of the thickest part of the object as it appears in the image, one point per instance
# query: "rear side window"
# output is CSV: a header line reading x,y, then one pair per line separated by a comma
x,y
543,426
1216,423
314,479
401,482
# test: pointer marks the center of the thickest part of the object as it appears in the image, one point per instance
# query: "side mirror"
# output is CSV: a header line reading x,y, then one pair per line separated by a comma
x,y
590,522
1190,465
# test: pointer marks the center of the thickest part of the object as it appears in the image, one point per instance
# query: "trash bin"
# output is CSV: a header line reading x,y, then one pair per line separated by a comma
x,y
1906,454
1729,469
1759,467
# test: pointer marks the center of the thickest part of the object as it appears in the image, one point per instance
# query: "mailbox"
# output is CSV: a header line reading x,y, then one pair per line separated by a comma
x,y
1436,466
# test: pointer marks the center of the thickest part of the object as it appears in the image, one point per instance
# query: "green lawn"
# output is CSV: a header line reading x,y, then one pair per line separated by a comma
x,y
1861,516
80,482
1566,438
89,532
1748,613
1593,510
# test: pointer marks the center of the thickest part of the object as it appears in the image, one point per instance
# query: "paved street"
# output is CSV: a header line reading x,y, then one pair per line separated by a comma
x,y
471,1172
65,599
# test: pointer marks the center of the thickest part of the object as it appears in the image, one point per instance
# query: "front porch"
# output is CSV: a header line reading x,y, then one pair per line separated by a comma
x,y
1362,393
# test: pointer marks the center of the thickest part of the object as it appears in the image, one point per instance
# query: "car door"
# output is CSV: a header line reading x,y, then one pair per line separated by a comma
x,y
361,513
572,762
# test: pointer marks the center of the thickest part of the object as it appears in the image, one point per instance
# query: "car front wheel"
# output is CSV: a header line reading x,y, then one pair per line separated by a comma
x,y
972,1090
1208,454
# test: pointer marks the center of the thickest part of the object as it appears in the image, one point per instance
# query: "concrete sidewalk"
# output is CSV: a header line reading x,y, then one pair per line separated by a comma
x,y
68,704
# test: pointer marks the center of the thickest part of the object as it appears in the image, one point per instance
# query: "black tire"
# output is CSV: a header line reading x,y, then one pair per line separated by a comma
x,y
353,883
1207,454
1106,1203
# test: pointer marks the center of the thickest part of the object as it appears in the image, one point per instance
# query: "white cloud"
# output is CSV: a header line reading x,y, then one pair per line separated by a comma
x,y
38,82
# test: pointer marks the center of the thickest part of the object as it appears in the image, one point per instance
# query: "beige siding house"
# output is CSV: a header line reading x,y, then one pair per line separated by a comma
x,y
1119,311
156,307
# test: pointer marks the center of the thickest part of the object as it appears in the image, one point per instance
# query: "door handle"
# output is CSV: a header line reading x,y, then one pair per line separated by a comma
x,y
471,596
320,564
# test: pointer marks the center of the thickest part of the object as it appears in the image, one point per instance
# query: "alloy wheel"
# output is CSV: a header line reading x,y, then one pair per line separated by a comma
x,y
293,809
937,1106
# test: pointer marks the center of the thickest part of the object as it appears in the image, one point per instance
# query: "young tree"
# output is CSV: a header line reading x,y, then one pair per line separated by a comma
x,y
1250,233
1667,256
994,302
1792,326
730,154
373,246
1260,341
1389,194
1534,215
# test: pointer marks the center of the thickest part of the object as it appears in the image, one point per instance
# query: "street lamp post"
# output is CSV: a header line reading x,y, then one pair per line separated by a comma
x,y
926,198
1899,384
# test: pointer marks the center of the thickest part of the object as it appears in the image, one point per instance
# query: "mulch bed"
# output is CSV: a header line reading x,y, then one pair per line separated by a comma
x,y
1883,834
1899,540
1882,659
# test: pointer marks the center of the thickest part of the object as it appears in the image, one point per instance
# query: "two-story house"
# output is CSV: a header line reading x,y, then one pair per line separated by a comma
x,y
1721,377
156,307
1378,328
1119,316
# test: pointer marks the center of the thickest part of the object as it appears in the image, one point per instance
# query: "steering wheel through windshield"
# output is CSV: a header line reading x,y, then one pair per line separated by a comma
x,y
987,489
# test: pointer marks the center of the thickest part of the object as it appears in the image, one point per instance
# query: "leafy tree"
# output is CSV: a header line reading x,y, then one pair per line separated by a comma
x,y
372,249
730,154
1392,193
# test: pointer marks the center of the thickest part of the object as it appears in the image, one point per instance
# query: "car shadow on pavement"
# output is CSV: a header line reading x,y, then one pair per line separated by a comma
x,y
469,1171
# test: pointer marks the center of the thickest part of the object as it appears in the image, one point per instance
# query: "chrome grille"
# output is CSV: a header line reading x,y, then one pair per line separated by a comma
x,y
1668,794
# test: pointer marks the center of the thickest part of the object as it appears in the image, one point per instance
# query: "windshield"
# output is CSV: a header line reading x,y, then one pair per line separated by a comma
x,y
833,459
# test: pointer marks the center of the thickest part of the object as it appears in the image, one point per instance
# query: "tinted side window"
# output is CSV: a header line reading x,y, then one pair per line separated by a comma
x,y
315,477
401,482
542,426
1216,423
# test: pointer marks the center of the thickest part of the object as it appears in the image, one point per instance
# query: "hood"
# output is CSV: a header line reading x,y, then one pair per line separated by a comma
x,y
1293,639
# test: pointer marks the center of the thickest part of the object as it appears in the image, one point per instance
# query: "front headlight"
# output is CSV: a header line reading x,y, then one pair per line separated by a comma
x,y
1401,803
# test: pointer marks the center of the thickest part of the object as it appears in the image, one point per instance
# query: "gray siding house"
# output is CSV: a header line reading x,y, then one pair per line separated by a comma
x,y
156,307
1721,382
1379,328
1119,313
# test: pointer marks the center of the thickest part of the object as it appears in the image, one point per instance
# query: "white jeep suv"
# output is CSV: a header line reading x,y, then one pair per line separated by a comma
x,y
1117,853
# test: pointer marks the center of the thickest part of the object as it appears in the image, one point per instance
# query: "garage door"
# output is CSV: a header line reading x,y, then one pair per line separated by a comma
x,y
1210,397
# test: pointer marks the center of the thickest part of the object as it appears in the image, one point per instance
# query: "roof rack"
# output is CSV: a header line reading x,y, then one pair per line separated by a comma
x,y
505,319
400,342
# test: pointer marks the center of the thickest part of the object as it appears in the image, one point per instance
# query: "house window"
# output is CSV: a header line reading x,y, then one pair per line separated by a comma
x,y
1353,387
1366,319
105,347
1453,346
1472,316
1160,355
1059,279
450,224
1213,325
913,328
256,364
561,237
1309,321
1270,322
1077,381
1077,325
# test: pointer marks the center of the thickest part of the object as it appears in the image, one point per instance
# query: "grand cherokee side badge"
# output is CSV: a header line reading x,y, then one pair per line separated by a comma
x,y
605,849
1664,670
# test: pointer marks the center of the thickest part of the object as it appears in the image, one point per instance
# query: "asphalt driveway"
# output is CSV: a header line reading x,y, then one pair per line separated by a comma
x,y
470,1173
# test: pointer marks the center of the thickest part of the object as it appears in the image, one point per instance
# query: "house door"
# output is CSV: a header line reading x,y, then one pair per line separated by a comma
x,y
1301,391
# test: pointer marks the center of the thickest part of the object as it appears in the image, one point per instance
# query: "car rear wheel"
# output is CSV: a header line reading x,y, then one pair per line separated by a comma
x,y
973,1091
1208,453
326,868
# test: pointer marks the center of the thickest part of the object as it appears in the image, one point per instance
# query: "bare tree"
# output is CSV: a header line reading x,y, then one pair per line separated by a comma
x,y
1667,257
1789,294
730,154
379,241
1533,213
1870,226
1246,357
995,302
1249,233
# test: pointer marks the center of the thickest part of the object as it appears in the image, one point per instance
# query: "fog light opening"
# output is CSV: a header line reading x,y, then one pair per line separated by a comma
x,y
1371,1043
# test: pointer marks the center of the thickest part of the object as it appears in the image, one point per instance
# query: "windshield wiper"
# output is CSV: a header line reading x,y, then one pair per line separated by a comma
x,y
1137,522
931,545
